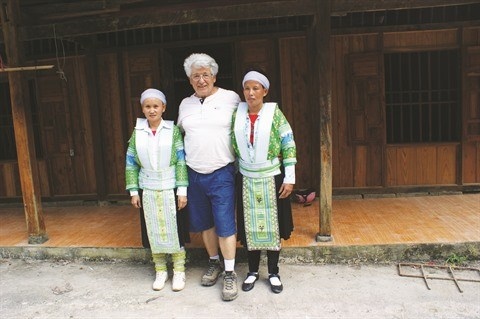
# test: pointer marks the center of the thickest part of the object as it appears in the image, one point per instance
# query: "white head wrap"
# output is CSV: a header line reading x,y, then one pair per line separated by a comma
x,y
256,76
149,93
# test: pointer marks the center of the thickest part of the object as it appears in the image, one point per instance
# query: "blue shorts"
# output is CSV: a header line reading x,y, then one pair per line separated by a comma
x,y
211,201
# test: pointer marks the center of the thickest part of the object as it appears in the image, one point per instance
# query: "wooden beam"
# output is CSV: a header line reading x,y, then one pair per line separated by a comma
x,y
103,16
321,32
405,28
44,13
159,15
27,164
341,7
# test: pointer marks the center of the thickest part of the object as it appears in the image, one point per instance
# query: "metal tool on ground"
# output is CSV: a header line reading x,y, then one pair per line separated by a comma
x,y
449,269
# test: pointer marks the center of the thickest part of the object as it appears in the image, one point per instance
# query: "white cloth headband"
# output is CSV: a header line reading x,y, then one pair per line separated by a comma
x,y
149,93
256,76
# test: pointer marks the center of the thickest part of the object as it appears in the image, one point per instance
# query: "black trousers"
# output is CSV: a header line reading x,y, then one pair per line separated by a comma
x,y
272,260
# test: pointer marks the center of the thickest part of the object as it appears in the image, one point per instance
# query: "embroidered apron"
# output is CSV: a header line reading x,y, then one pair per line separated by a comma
x,y
157,179
258,186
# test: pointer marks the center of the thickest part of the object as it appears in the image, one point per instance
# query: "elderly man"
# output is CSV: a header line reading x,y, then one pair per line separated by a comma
x,y
205,118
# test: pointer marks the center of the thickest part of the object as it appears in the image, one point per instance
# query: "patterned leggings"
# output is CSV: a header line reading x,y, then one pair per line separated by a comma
x,y
178,260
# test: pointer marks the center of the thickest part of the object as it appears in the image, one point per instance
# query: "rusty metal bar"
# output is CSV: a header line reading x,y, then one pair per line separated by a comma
x,y
448,268
424,277
454,279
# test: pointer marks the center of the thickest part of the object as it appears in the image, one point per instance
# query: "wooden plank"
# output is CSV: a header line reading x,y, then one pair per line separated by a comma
x,y
375,169
404,28
96,146
391,166
422,165
44,178
426,173
340,7
477,175
360,166
471,93
406,166
293,88
471,36
420,40
9,16
110,115
9,179
470,162
61,179
343,175
446,164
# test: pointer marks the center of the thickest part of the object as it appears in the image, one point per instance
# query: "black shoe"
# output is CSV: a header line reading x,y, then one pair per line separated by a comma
x,y
249,286
275,288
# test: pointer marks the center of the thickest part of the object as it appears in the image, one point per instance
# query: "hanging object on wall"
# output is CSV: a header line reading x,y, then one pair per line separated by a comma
x,y
5,68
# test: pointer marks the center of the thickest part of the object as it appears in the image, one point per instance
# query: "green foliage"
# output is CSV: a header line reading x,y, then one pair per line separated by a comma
x,y
456,260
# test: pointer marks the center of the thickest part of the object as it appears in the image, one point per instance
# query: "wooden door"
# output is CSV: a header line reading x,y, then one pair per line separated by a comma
x,y
366,117
57,133
66,131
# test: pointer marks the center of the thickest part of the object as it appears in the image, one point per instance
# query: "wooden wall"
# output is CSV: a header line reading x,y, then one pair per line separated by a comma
x,y
87,120
421,165
67,167
296,106
361,157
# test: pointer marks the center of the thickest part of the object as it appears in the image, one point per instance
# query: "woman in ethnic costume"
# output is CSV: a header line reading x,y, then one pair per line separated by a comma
x,y
263,141
155,166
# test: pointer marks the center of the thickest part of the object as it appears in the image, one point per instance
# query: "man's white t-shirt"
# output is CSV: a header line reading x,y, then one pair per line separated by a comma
x,y
208,129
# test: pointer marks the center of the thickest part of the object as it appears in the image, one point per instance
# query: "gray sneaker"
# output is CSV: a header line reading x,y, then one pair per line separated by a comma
x,y
230,289
214,270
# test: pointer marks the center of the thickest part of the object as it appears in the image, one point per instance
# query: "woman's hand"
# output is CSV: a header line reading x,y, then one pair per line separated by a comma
x,y
182,202
135,200
285,190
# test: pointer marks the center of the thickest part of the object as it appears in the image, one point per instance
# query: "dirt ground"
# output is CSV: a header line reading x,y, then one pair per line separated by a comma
x,y
116,289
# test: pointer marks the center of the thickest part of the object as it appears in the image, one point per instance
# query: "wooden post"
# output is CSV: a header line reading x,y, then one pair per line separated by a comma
x,y
322,69
22,124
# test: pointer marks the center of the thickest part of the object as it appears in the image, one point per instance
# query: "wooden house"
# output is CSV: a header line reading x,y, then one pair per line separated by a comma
x,y
383,96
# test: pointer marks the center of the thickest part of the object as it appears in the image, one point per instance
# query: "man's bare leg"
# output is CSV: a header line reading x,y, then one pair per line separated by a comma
x,y
210,240
228,246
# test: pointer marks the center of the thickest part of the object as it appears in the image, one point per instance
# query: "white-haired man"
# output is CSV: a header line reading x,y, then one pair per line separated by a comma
x,y
205,117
